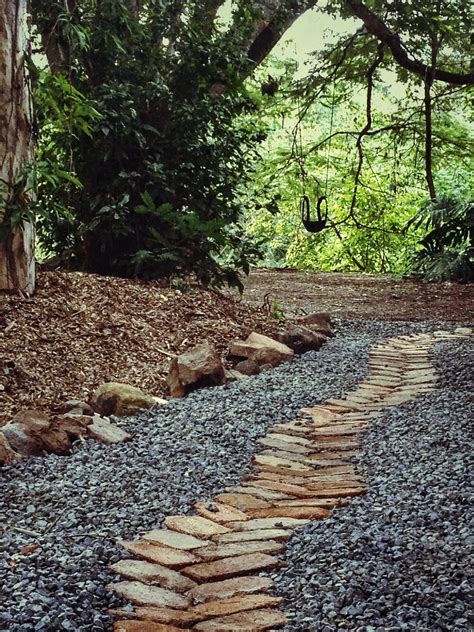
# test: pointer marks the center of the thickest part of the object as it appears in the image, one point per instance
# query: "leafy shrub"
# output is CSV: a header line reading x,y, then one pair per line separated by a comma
x,y
157,164
447,252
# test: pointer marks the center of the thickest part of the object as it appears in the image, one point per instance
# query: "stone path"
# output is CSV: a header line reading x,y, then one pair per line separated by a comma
x,y
202,571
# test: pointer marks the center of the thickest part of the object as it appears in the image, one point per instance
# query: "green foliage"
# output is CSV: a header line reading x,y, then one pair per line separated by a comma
x,y
152,157
17,200
158,166
447,251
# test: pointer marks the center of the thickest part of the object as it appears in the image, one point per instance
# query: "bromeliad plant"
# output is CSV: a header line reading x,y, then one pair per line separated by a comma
x,y
447,251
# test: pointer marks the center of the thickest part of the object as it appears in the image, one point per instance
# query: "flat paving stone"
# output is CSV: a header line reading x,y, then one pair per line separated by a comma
x,y
289,456
147,573
256,534
145,595
229,588
291,429
254,621
312,502
320,412
144,626
240,548
335,492
264,494
298,474
311,513
195,525
231,567
232,605
269,523
296,491
174,539
168,616
289,439
173,558
276,462
348,479
285,446
219,512
242,501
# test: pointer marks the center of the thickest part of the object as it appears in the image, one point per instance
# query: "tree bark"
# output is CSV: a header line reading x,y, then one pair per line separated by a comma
x,y
17,264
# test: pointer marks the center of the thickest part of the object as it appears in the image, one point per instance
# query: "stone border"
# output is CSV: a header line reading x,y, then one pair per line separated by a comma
x,y
201,573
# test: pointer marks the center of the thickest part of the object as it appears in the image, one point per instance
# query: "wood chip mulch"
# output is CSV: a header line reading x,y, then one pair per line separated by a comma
x,y
80,330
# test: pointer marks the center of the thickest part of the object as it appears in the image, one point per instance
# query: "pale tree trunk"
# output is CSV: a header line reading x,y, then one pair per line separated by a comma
x,y
17,264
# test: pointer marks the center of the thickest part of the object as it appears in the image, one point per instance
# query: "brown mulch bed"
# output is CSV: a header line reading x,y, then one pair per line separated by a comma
x,y
80,330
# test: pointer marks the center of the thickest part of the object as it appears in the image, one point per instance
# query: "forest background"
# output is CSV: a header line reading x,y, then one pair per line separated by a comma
x,y
168,139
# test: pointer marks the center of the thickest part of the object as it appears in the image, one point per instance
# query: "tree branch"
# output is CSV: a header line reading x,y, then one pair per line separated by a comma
x,y
376,26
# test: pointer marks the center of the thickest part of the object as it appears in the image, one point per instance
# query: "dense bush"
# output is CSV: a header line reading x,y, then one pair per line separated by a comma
x,y
155,161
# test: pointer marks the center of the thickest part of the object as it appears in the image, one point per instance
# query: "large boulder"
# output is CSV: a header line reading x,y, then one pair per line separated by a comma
x,y
301,339
115,398
7,453
32,419
262,350
199,367
75,426
22,440
319,322
56,441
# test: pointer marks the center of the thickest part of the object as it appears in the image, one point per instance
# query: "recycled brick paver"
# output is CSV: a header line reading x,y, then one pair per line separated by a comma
x,y
207,564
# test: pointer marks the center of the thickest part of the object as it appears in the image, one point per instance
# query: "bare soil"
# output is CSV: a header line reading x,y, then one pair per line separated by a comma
x,y
359,295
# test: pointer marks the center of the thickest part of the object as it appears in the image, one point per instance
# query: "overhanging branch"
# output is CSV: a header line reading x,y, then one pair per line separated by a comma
x,y
377,27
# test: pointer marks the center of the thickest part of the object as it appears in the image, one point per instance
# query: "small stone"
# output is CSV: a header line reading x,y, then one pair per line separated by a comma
x,y
247,367
200,366
105,432
116,398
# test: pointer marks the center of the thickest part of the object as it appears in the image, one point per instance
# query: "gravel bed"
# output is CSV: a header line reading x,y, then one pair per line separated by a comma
x,y
186,451
398,558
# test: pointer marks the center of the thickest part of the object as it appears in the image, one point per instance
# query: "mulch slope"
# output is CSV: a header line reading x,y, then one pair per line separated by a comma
x,y
80,330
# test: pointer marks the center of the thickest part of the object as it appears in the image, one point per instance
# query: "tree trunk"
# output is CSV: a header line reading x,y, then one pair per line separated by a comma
x,y
17,265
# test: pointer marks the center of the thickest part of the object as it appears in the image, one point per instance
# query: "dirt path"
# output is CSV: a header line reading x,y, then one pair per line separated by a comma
x,y
359,295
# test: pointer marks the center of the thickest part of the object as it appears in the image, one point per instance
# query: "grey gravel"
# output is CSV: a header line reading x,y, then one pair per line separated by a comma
x,y
399,558
82,505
